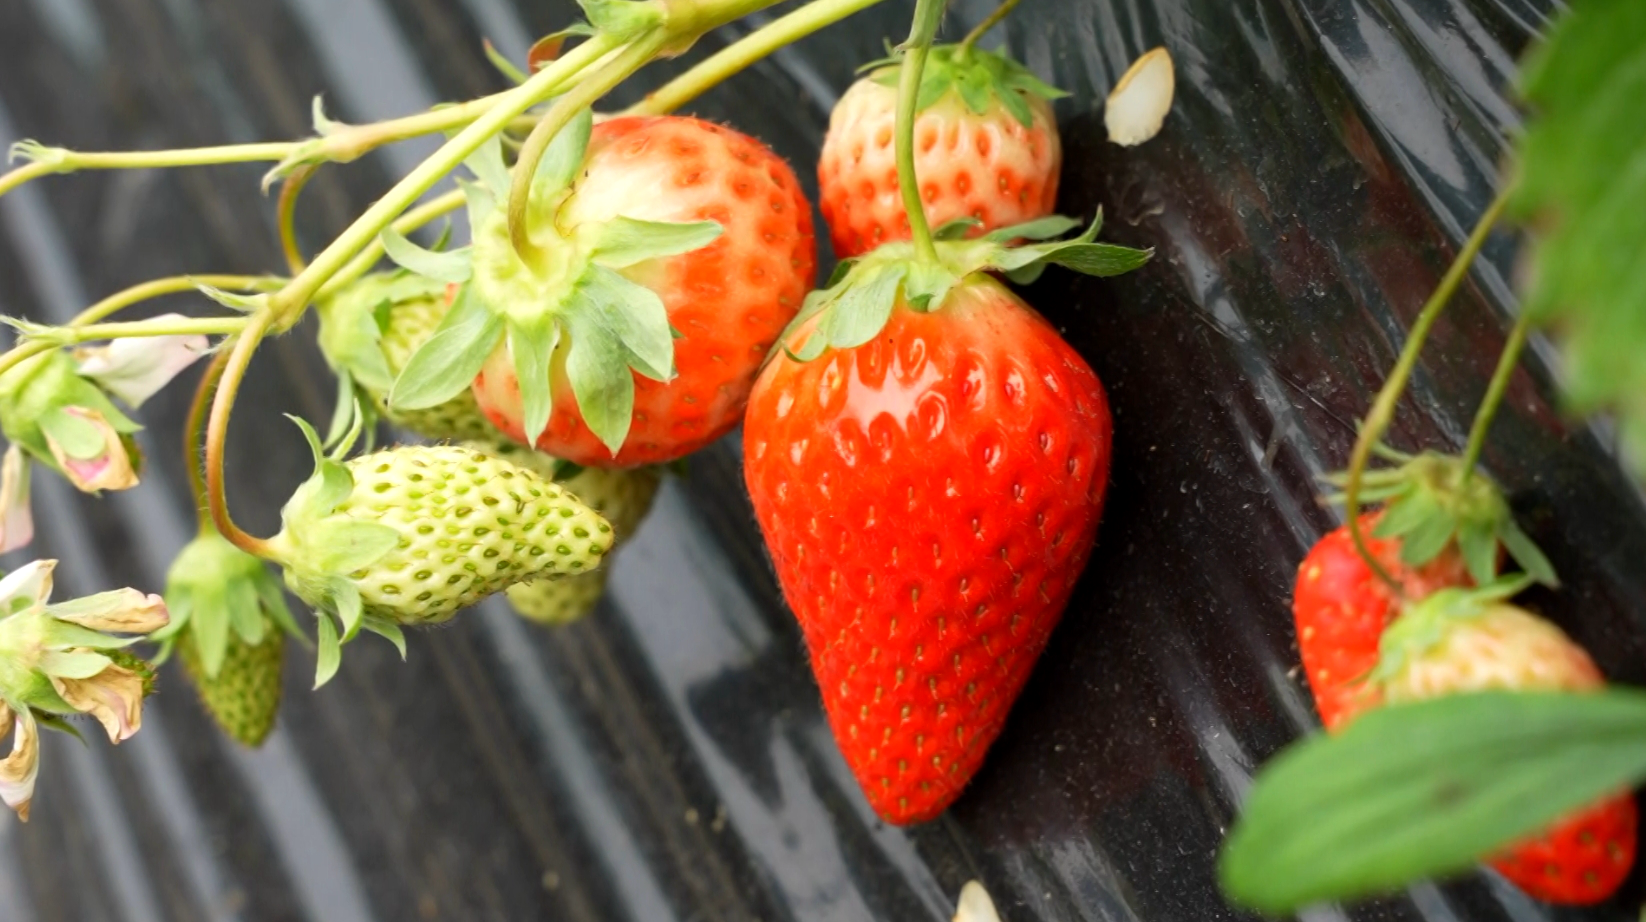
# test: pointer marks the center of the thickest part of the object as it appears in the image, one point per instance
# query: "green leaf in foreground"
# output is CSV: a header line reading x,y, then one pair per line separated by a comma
x,y
1415,791
1582,182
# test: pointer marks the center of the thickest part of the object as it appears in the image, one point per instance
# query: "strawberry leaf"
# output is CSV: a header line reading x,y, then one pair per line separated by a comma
x,y
1423,790
450,266
561,163
1582,179
451,357
531,348
623,242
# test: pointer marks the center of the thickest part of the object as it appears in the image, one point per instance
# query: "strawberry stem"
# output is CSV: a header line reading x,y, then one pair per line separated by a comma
x,y
189,326
1494,392
45,161
737,56
1383,408
927,15
217,428
285,213
1000,13
596,85
199,409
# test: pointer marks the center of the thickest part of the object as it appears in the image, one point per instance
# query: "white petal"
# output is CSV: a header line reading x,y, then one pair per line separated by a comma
x,y
18,770
134,369
123,611
975,904
16,521
1139,102
31,581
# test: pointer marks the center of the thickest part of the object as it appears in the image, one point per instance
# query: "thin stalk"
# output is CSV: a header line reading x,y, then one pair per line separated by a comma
x,y
927,15
288,304
1494,392
285,216
217,430
1000,13
199,409
21,353
187,326
137,294
45,161
733,58
1383,408
559,115
405,224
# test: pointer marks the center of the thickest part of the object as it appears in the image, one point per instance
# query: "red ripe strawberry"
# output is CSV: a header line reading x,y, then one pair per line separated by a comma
x,y
929,495
986,147
1448,649
728,300
1341,608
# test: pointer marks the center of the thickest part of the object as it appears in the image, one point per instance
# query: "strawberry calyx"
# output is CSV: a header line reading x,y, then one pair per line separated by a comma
x,y
352,324
1424,624
859,297
320,548
981,79
569,302
215,589
1432,500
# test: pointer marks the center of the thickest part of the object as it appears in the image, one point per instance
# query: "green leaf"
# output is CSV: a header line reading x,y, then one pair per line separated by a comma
x,y
562,159
624,242
531,348
1526,553
451,357
636,315
342,545
1046,228
1582,178
1415,791
601,382
486,163
329,653
1099,259
861,311
450,266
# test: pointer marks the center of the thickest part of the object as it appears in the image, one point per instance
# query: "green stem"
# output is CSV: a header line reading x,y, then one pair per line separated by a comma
x,y
1383,408
21,353
1494,392
48,160
286,213
287,305
928,14
188,326
405,224
199,409
733,58
217,429
1000,12
559,115
173,285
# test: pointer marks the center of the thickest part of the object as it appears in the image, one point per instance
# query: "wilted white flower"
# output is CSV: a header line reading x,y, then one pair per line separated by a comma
x,y
133,369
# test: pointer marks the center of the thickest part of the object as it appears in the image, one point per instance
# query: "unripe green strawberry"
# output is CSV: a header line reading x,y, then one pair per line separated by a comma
x,y
244,696
623,497
558,602
412,534
368,331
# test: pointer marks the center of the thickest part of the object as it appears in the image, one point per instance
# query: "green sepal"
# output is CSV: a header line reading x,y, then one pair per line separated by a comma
x,y
1424,624
979,78
504,65
561,164
1431,501
447,266
41,387
597,368
64,634
531,349
451,357
344,545
955,229
388,630
633,313
68,664
623,242
622,19
860,295
59,724
486,163
352,323
328,651
77,436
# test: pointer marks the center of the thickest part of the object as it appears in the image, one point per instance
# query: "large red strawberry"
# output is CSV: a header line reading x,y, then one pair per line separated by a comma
x,y
1462,641
986,148
1341,608
929,496
662,257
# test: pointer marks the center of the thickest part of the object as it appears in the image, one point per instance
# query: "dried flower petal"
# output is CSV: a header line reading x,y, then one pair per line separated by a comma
x,y
16,521
134,369
18,770
113,696
975,904
106,467
1138,104
122,611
